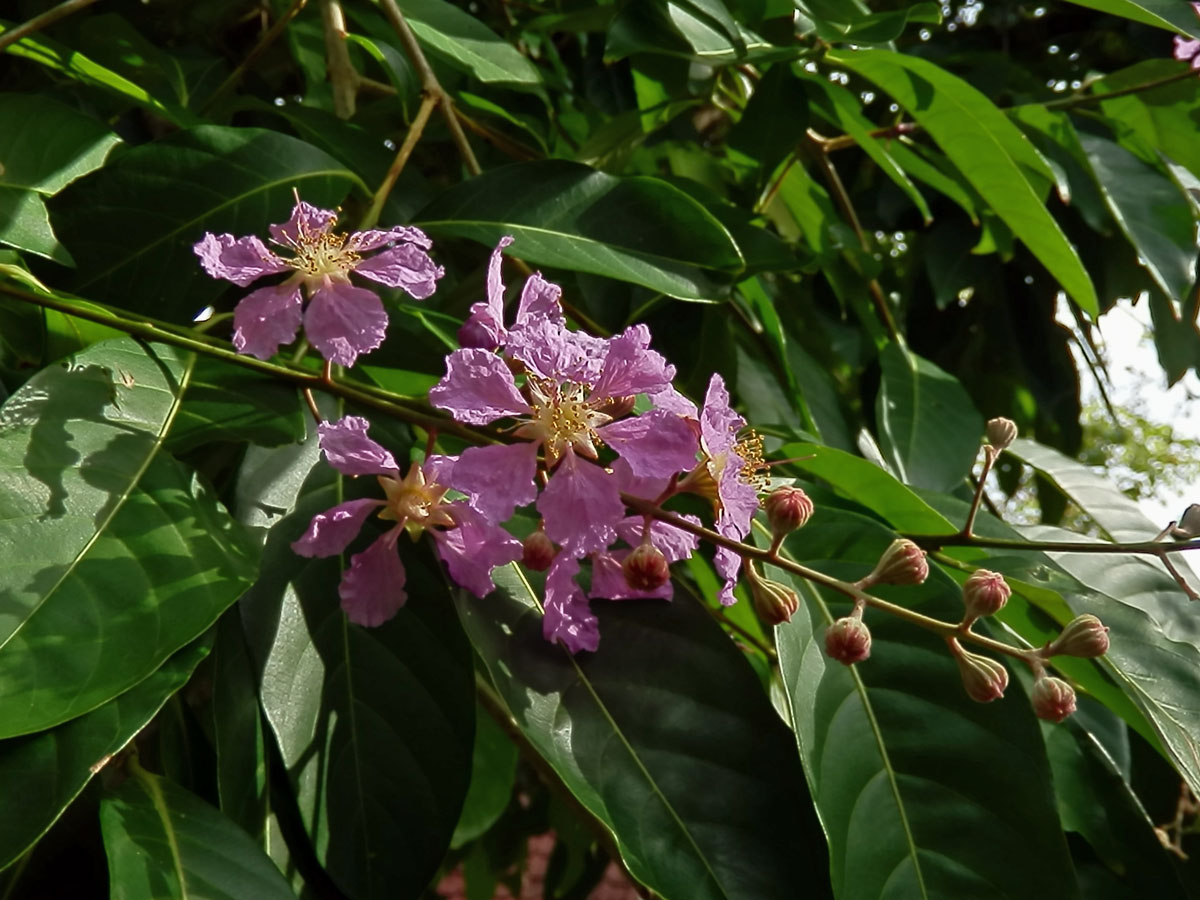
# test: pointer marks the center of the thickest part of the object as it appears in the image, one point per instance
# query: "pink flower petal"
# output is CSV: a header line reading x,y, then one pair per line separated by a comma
x,y
554,351
331,532
373,239
539,298
581,506
484,328
240,260
265,319
657,444
673,401
568,618
475,547
719,424
344,321
372,589
639,486
404,266
630,367
497,478
306,219
349,450
728,564
478,388
608,581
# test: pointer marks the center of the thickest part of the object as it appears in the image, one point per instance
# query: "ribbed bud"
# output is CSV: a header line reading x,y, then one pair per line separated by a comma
x,y
902,563
788,508
848,640
645,568
538,551
985,593
1084,636
984,678
1053,699
1001,432
775,603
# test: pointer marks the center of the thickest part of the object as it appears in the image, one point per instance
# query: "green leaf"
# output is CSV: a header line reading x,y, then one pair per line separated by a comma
x,y
493,775
1153,213
374,725
41,774
124,556
45,145
928,427
1155,121
880,28
923,792
25,224
774,120
164,842
135,252
988,149
1166,14
665,735
699,30
563,214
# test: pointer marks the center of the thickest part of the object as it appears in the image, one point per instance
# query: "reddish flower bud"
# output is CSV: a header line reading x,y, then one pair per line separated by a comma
x,y
1000,433
1053,699
1084,636
645,568
984,594
902,563
775,603
539,551
788,508
848,640
984,678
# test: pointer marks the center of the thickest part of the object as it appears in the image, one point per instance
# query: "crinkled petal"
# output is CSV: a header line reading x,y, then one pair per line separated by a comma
x,y
739,502
608,581
728,564
306,219
344,321
568,618
539,299
331,532
675,543
374,238
1187,49
478,388
497,478
405,266
475,547
240,260
351,452
372,589
657,444
719,424
267,318
581,505
439,468
631,367
484,327
673,401
554,351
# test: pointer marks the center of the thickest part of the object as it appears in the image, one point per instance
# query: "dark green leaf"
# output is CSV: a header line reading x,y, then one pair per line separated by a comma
x,y
493,774
25,224
1161,13
701,30
879,28
45,145
774,120
237,729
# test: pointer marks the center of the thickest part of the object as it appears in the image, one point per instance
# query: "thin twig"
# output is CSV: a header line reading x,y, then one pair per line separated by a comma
x,y
415,130
264,42
343,77
37,23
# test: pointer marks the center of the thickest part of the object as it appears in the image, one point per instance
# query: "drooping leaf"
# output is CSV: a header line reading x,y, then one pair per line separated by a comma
x,y
46,145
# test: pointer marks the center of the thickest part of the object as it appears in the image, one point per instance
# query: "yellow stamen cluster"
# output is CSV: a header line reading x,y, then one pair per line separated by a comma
x,y
562,418
414,503
322,253
754,467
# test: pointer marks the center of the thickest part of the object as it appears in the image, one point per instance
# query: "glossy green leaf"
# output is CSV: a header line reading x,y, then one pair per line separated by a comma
x,y
25,224
164,842
40,774
879,28
664,734
136,253
1150,122
567,215
45,145
923,792
237,729
493,776
125,555
988,149
375,725
1160,13
774,120
700,30
928,427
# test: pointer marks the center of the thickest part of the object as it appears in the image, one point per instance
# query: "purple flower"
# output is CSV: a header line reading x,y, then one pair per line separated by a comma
x,y
372,589
1188,49
568,618
342,321
484,327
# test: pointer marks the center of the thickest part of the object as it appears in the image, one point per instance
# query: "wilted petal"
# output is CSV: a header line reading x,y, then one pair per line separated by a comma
x,y
344,321
630,367
478,388
306,219
554,351
581,505
351,452
675,543
372,589
539,298
475,547
331,532
484,328
405,266
719,424
657,444
497,478
608,581
568,618
728,564
265,319
240,260
372,239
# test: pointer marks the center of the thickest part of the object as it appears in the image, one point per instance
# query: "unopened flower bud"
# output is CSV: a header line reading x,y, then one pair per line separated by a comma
x,y
538,551
902,563
1000,433
775,603
645,568
1053,699
848,640
985,593
1084,636
788,508
984,678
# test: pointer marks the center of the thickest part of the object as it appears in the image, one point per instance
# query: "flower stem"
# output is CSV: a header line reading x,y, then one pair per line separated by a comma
x,y
989,457
415,130
46,19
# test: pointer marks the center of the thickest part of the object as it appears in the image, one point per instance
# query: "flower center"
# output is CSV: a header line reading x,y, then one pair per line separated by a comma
x,y
562,418
754,467
413,502
321,254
